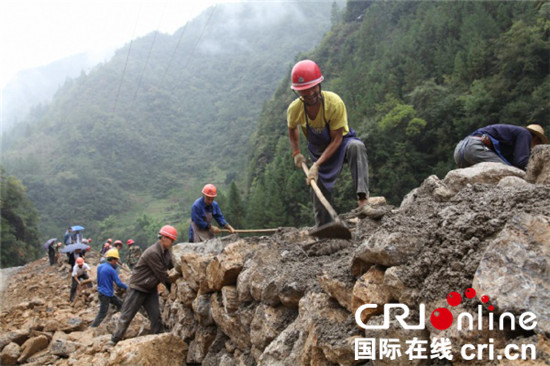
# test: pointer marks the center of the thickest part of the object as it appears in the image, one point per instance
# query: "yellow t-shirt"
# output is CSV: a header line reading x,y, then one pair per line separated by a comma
x,y
334,113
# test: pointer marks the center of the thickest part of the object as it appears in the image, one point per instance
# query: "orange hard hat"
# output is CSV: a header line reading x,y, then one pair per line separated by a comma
x,y
79,260
169,231
130,242
210,190
305,74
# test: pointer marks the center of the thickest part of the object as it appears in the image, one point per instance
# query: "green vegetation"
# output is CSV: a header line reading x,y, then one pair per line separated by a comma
x,y
129,146
416,78
19,226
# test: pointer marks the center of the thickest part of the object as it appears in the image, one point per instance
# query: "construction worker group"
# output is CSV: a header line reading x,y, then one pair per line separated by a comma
x,y
148,269
322,117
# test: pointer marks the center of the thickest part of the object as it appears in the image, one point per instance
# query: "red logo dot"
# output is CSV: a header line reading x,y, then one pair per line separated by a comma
x,y
484,299
454,298
491,308
470,293
441,318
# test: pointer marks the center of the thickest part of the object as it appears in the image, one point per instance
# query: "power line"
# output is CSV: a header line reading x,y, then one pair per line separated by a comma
x,y
127,58
150,51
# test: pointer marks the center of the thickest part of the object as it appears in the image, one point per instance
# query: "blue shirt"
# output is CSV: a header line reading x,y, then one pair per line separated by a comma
x,y
67,238
198,215
106,275
513,143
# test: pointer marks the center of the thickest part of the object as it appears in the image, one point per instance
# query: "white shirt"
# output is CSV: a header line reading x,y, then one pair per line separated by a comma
x,y
79,271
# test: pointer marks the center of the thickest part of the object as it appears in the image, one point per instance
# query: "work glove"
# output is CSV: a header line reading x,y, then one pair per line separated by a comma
x,y
215,230
230,228
313,173
298,160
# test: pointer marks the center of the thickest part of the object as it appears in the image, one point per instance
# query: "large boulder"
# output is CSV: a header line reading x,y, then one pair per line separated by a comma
x,y
226,266
32,346
322,334
538,169
17,336
151,350
199,346
370,289
432,187
207,248
487,173
391,247
235,325
515,267
10,354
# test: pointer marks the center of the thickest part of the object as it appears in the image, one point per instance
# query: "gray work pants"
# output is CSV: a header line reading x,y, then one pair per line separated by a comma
x,y
356,157
471,151
133,301
104,302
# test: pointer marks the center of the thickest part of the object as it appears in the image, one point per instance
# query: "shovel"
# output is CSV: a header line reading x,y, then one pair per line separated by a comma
x,y
251,230
333,230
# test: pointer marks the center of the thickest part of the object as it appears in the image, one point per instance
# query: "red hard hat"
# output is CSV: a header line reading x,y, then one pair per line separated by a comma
x,y
210,190
169,231
305,74
106,245
110,240
88,249
117,242
79,260
130,242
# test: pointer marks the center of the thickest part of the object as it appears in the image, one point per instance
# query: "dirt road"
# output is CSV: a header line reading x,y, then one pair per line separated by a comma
x,y
5,274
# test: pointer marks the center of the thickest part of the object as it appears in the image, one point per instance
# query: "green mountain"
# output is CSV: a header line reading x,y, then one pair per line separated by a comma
x,y
416,77
130,144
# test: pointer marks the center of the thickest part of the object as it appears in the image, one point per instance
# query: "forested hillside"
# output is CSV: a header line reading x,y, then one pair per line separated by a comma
x,y
130,144
19,236
32,87
416,78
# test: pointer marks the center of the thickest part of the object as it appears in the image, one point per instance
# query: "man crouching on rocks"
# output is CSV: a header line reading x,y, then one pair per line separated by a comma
x,y
151,269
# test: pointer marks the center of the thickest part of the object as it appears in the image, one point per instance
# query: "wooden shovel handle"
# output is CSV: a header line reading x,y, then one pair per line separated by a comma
x,y
320,195
252,230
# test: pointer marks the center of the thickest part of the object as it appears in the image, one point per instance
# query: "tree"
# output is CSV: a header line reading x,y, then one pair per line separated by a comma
x,y
235,213
19,231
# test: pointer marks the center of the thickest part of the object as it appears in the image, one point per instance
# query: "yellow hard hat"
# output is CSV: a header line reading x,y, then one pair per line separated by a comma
x,y
112,253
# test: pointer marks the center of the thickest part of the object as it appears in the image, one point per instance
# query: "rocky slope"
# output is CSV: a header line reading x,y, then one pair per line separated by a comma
x,y
290,299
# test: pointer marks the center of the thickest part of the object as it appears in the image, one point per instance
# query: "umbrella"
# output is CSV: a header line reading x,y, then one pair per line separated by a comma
x,y
77,228
48,243
72,247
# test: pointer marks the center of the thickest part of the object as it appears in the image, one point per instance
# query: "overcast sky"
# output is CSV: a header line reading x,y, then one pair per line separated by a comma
x,y
37,32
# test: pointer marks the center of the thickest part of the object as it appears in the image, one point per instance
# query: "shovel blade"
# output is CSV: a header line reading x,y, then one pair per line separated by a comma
x,y
332,230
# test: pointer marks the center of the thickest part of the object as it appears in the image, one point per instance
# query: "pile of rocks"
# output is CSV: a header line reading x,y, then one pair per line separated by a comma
x,y
40,326
290,299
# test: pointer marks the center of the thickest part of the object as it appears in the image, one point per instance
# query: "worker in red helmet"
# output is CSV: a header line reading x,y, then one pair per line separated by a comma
x,y
134,252
203,210
151,270
80,272
322,117
106,246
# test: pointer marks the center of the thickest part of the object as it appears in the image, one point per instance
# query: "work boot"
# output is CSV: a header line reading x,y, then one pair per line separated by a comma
x,y
362,200
111,343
